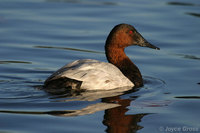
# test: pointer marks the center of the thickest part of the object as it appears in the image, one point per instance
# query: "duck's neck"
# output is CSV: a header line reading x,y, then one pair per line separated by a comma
x,y
118,58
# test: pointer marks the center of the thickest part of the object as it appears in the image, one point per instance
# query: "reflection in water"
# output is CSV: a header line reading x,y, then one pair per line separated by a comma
x,y
67,113
91,95
116,119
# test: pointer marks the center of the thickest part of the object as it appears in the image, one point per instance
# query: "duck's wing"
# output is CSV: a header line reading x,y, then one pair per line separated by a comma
x,y
70,69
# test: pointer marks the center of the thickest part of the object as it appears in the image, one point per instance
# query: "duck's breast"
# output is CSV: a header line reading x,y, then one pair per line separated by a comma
x,y
93,74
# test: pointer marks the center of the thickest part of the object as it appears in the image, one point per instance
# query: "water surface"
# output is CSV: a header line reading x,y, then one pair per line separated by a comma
x,y
39,36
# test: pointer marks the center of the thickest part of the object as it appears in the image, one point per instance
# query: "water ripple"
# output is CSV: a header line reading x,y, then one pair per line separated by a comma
x,y
194,14
11,62
72,49
86,2
188,97
182,4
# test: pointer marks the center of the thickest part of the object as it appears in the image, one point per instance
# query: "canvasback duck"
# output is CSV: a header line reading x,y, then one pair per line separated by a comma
x,y
89,74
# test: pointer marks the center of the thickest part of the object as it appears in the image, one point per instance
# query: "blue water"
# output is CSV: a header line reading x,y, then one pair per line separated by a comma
x,y
39,36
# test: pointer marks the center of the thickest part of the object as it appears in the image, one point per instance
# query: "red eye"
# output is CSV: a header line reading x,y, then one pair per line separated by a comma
x,y
130,32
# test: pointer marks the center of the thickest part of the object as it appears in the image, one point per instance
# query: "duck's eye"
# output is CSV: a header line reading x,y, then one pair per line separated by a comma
x,y
130,32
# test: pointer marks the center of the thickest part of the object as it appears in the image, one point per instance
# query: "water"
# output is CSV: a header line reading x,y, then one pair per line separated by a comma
x,y
39,36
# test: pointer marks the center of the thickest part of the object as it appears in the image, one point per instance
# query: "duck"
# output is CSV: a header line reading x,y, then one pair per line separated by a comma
x,y
91,74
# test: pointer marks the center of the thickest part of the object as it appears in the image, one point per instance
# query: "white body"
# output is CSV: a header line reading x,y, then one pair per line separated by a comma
x,y
95,75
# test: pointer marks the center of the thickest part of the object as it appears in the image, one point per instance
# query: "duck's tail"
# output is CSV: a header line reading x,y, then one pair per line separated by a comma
x,y
62,85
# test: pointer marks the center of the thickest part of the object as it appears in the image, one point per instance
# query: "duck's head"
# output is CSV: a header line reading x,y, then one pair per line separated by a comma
x,y
124,35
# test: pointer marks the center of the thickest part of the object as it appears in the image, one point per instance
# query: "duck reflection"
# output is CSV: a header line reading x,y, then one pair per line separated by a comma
x,y
116,119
